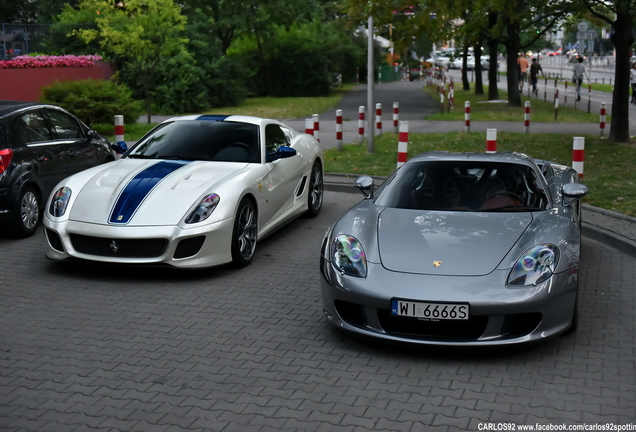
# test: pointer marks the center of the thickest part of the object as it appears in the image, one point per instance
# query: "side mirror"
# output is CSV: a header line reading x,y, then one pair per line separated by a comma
x,y
283,152
573,192
365,185
91,134
120,147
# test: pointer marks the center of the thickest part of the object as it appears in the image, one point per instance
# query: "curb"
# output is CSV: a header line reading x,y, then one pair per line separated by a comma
x,y
339,182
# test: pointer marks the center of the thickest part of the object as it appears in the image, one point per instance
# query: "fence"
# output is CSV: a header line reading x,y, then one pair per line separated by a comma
x,y
21,39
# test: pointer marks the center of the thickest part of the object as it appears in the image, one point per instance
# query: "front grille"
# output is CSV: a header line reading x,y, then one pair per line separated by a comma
x,y
120,248
189,247
445,329
54,240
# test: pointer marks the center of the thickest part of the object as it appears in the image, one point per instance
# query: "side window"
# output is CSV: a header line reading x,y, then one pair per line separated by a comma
x,y
31,127
64,125
274,138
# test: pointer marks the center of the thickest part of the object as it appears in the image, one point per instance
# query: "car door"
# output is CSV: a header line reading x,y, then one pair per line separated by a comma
x,y
285,174
80,151
36,145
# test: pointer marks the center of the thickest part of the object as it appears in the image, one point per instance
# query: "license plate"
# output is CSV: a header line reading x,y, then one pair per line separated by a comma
x,y
432,311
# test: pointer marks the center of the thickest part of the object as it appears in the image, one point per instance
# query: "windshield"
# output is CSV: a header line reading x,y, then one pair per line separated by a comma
x,y
200,140
465,186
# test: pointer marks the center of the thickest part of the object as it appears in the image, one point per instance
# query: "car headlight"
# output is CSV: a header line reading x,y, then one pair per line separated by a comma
x,y
536,265
59,202
347,256
204,209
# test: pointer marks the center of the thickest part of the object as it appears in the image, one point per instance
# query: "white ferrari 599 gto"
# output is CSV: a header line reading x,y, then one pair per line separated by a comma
x,y
196,191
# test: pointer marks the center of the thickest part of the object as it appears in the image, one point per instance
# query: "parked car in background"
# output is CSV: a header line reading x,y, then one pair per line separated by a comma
x,y
40,145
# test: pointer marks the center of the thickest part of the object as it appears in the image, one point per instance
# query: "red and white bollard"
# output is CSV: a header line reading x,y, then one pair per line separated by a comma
x,y
602,121
378,119
360,124
119,133
491,140
309,126
396,116
526,117
119,128
403,142
316,127
339,129
467,116
578,155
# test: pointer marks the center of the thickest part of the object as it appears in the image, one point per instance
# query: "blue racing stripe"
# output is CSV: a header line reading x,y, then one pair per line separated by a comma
x,y
139,187
212,117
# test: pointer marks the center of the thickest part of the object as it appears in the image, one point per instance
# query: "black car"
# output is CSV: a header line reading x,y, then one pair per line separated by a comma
x,y
40,145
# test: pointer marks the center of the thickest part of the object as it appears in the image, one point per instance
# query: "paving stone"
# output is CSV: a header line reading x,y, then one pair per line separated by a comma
x,y
86,348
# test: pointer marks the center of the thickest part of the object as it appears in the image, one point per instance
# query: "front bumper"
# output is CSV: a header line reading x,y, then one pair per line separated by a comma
x,y
199,247
499,315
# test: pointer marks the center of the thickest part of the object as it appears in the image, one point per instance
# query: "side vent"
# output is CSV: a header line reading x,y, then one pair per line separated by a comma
x,y
301,188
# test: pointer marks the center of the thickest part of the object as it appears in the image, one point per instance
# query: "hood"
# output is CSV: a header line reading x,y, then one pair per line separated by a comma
x,y
466,244
134,192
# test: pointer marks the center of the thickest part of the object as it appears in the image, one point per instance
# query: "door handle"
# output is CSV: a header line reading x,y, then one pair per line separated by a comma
x,y
41,158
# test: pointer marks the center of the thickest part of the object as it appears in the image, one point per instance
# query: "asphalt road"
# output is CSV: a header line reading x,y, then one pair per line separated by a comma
x,y
94,348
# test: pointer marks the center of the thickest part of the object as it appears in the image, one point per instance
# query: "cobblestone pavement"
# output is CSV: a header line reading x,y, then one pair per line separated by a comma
x,y
92,348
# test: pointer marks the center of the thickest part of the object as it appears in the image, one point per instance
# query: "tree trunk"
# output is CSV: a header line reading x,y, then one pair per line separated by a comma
x,y
512,54
493,70
465,82
479,83
622,39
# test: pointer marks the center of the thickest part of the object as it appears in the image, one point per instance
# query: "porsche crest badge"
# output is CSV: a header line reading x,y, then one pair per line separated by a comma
x,y
437,263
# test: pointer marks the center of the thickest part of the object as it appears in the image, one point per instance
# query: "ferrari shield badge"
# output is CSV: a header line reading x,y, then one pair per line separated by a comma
x,y
260,187
437,263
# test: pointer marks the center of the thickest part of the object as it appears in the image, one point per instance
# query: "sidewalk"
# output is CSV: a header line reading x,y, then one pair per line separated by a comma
x,y
613,229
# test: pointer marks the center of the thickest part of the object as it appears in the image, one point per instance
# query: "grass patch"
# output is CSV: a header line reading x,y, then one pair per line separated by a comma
x,y
276,108
609,167
285,108
540,111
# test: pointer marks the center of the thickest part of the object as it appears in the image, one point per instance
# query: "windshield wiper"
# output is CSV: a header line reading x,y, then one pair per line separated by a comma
x,y
139,156
512,208
174,157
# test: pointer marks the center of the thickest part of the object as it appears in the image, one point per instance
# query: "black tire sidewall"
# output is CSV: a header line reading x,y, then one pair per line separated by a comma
x,y
237,258
314,211
16,227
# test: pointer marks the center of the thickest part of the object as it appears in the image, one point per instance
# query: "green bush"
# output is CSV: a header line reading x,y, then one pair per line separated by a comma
x,y
94,101
302,60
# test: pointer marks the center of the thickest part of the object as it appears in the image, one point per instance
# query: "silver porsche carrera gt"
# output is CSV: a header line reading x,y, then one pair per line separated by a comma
x,y
458,249
196,191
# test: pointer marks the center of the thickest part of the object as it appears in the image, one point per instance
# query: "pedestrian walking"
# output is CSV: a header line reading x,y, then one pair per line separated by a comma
x,y
522,66
578,72
535,68
632,81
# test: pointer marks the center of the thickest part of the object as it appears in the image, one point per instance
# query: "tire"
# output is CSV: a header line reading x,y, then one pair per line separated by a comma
x,y
316,190
244,234
26,218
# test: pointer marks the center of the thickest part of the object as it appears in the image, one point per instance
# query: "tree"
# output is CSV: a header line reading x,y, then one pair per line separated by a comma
x,y
620,15
143,33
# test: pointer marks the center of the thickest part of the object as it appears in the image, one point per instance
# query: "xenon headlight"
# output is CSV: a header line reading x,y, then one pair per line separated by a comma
x,y
204,209
59,202
536,265
347,256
